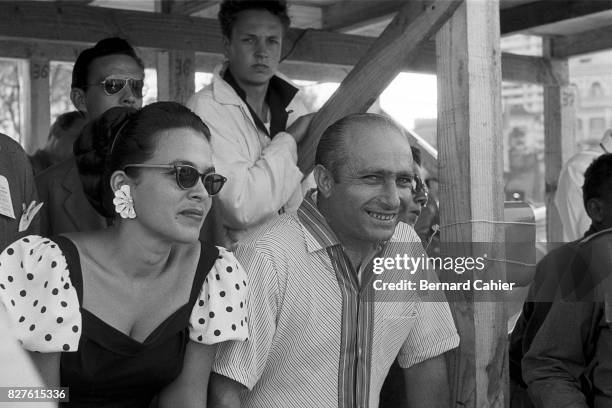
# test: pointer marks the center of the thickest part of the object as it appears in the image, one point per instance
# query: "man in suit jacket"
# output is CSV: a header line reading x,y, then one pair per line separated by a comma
x,y
106,75
17,215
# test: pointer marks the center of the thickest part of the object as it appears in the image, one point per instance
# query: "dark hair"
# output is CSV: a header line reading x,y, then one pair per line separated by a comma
x,y
124,136
598,179
416,155
332,151
105,47
65,122
228,12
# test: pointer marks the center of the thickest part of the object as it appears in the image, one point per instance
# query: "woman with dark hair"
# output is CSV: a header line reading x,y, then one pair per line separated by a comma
x,y
133,311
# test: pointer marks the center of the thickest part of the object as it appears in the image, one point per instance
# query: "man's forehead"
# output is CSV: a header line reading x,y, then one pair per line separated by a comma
x,y
256,20
380,146
116,64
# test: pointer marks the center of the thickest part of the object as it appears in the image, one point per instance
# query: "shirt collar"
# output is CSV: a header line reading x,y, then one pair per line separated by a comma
x,y
280,91
279,95
319,234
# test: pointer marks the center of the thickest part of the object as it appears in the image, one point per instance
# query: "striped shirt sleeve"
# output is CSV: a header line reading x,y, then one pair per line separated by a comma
x,y
244,362
433,334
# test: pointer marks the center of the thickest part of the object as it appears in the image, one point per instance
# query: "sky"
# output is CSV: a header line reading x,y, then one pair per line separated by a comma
x,y
408,97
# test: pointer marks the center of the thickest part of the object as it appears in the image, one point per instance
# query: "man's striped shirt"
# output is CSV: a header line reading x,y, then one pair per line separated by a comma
x,y
318,338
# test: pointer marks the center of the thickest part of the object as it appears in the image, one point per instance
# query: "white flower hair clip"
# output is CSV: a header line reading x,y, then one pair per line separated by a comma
x,y
124,204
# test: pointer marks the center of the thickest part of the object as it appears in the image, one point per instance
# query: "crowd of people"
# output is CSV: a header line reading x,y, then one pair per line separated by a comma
x,y
177,256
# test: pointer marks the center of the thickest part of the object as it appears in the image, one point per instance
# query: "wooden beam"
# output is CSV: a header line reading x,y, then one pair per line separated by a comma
x,y
415,22
471,188
354,14
544,12
37,113
582,43
22,22
190,6
52,22
559,137
66,52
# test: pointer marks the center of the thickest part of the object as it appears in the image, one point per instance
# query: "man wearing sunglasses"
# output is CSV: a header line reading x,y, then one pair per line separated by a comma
x,y
248,107
106,75
320,333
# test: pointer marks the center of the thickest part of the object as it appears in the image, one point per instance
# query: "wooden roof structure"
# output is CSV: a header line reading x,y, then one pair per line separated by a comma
x,y
364,44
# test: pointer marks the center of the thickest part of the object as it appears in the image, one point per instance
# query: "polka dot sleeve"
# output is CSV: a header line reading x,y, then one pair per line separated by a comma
x,y
36,290
220,313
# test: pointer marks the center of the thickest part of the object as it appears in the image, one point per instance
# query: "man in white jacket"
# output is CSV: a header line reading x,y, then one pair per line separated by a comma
x,y
248,107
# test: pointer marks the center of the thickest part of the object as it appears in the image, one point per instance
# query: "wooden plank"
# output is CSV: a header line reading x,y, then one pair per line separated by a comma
x,y
582,43
544,12
190,6
376,69
471,188
66,52
49,21
37,115
519,68
355,14
559,137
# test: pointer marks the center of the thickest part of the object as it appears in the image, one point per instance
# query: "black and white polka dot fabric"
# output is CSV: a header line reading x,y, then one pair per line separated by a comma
x,y
36,291
220,313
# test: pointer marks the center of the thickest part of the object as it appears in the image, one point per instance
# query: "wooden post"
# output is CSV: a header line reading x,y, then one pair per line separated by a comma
x,y
175,75
559,135
175,68
36,115
471,181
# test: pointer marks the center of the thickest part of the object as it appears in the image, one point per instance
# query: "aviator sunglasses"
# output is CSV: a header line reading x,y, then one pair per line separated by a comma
x,y
115,84
187,176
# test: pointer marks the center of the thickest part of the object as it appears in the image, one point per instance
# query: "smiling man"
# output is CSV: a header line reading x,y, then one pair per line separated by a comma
x,y
248,107
320,335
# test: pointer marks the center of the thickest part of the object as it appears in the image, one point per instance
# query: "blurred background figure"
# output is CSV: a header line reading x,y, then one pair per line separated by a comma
x,y
17,368
428,224
62,135
18,207
568,198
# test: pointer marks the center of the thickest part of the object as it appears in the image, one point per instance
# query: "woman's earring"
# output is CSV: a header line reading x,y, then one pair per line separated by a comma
x,y
124,204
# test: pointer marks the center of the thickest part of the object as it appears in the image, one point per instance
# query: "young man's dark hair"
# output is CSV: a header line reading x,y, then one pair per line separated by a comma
x,y
598,179
105,47
229,10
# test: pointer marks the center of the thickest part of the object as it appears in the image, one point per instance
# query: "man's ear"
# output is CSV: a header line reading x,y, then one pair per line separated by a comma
x,y
324,179
77,96
595,210
226,46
